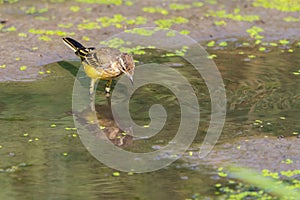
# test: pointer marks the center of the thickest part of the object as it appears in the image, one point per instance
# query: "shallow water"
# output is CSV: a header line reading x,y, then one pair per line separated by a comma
x,y
41,155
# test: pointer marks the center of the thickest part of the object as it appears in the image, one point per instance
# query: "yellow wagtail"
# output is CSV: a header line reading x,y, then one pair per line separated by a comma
x,y
104,63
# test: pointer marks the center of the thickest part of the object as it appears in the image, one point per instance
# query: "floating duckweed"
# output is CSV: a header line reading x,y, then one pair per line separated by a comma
x,y
53,125
17,58
26,134
184,32
291,19
48,71
102,127
220,23
268,173
241,53
262,49
171,33
155,10
105,2
128,3
212,56
282,118
291,173
23,68
254,32
114,43
85,38
146,126
284,42
36,139
3,66
70,129
42,18
138,50
10,29
218,185
44,38
258,121
211,43
8,1
246,44
282,5
190,153
167,23
295,133
197,4
22,35
68,25
252,56
116,20
235,16
273,44
65,154
32,10
290,50
74,135
177,6
34,48
1,146
88,26
287,161
49,32
222,174
74,8
141,31
223,44
116,174
130,173
41,72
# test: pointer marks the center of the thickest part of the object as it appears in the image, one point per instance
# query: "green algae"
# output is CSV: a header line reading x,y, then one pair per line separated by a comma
x,y
282,5
74,8
177,6
167,23
50,32
140,31
104,2
233,16
88,26
155,10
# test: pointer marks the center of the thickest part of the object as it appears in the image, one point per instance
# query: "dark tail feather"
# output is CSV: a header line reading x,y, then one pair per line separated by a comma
x,y
73,44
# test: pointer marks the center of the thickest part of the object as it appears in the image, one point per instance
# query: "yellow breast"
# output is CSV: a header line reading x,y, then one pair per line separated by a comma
x,y
101,73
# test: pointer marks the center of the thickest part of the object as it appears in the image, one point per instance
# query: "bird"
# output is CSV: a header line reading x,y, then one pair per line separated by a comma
x,y
104,63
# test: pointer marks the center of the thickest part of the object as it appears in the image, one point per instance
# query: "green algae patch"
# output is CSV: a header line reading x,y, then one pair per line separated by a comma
x,y
233,16
254,32
114,43
155,10
291,19
167,23
33,10
8,1
104,2
282,5
49,32
177,6
67,25
141,31
88,26
74,8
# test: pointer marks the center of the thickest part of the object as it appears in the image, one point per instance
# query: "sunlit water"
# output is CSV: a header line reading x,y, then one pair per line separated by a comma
x,y
42,156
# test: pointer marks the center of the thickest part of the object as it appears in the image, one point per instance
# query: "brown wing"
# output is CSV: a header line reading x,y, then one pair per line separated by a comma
x,y
102,57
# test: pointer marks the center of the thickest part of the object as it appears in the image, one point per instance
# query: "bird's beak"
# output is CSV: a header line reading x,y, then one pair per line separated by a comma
x,y
130,76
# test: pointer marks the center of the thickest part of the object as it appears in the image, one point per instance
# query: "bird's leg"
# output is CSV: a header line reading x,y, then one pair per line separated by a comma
x,y
92,86
107,87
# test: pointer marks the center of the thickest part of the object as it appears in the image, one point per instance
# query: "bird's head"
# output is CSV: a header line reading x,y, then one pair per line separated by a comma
x,y
127,65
